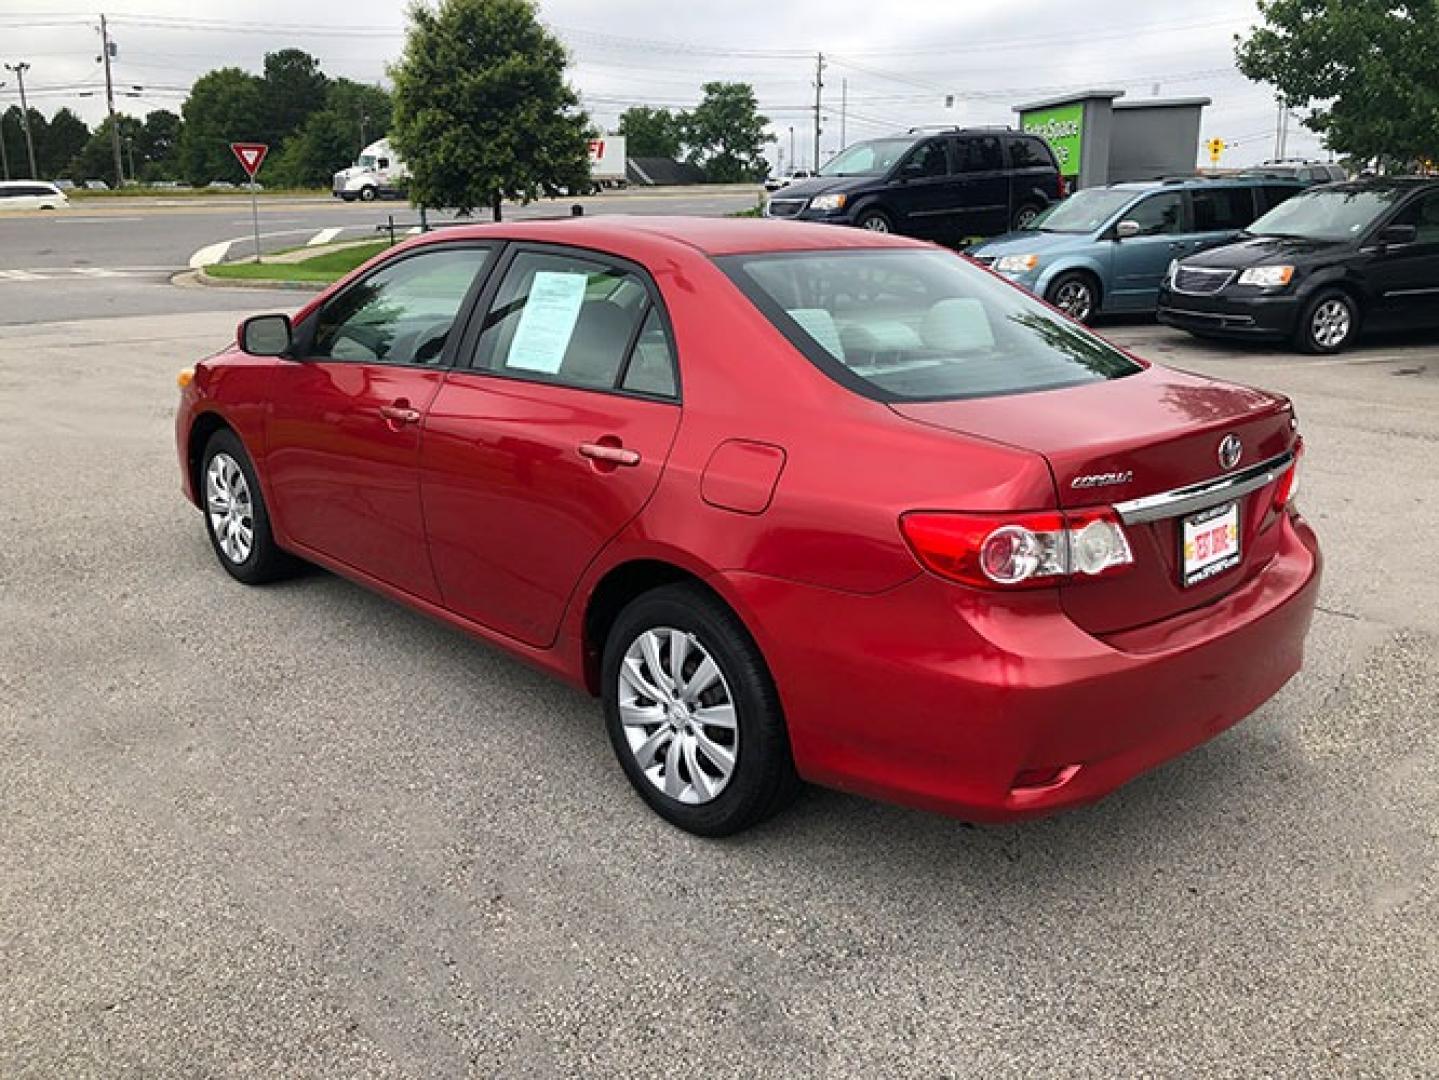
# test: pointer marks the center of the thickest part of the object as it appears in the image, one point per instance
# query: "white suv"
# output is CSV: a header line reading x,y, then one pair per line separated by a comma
x,y
31,195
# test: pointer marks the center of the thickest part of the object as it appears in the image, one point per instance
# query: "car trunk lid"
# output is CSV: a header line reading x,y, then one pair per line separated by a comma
x,y
1126,440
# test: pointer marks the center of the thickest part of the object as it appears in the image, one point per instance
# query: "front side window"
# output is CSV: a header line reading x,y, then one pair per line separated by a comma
x,y
873,158
1222,209
917,325
578,322
402,313
1424,216
928,159
979,153
1158,214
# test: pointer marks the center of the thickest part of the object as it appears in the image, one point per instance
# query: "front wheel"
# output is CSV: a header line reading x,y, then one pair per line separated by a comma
x,y
1330,322
236,518
1075,294
693,714
368,194
875,221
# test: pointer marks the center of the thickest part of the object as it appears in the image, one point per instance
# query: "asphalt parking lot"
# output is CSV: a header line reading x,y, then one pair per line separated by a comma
x,y
299,831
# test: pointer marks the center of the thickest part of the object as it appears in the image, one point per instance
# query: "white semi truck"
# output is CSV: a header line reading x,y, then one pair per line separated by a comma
x,y
607,161
379,173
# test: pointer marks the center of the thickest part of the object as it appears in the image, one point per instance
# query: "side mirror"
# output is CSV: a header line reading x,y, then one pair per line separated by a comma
x,y
265,335
1126,228
1398,235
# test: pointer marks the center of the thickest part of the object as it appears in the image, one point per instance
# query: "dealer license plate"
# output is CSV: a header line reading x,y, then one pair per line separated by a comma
x,y
1210,543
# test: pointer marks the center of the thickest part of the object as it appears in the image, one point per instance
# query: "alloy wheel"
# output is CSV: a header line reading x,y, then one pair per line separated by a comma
x,y
1074,298
678,715
1331,323
230,507
1025,216
875,223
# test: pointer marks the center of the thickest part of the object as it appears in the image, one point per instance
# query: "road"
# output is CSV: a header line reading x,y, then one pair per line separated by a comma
x,y
101,257
299,831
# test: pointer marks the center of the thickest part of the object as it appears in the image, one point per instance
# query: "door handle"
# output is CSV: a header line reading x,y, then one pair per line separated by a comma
x,y
400,414
610,455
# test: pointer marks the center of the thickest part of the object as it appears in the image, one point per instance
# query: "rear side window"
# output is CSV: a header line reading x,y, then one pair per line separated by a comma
x,y
1029,154
1222,209
978,153
578,322
916,325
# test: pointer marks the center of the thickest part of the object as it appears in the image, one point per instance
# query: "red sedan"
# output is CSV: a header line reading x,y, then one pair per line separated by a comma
x,y
793,502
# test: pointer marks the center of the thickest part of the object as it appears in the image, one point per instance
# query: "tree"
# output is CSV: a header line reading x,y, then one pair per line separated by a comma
x,y
96,159
1367,69
224,106
158,143
293,87
65,137
354,116
482,110
726,134
14,135
652,132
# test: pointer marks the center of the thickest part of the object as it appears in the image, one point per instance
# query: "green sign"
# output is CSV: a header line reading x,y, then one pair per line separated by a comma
x,y
1063,129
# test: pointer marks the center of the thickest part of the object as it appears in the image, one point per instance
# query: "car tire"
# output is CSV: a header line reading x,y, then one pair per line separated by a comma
x,y
1075,293
368,194
664,737
1024,215
1329,322
236,518
875,221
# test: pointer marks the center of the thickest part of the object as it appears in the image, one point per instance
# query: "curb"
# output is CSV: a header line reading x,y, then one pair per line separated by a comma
x,y
188,279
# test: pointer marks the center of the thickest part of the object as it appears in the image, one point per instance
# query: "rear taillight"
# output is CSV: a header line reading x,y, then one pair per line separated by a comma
x,y
1018,551
1288,486
1063,187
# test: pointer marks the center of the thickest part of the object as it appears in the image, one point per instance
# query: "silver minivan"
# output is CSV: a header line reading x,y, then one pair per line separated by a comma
x,y
31,195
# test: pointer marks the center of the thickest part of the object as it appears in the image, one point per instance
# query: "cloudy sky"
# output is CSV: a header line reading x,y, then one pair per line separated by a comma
x,y
893,62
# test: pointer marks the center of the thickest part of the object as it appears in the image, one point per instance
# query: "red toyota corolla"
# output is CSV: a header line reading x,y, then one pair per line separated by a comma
x,y
793,501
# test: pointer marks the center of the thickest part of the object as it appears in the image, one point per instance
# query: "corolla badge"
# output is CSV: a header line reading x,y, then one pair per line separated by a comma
x,y
1230,451
1095,480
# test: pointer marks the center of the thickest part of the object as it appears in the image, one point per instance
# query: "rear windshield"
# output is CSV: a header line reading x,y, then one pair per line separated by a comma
x,y
1327,213
915,325
1084,211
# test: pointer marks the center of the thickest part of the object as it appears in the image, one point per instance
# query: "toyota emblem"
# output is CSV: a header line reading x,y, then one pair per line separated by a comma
x,y
1230,451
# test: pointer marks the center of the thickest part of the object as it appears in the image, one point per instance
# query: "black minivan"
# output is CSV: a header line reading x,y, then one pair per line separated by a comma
x,y
940,185
1317,268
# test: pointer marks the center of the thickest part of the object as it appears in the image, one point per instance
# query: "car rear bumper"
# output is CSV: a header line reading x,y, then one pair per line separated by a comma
x,y
940,697
1271,317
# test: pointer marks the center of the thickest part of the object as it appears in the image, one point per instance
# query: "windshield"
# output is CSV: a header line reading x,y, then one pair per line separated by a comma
x,y
1326,214
917,325
1083,212
867,158
367,161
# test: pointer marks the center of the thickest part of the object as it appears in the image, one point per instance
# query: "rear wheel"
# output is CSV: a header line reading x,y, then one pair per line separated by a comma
x,y
236,519
693,714
1076,294
1330,322
875,221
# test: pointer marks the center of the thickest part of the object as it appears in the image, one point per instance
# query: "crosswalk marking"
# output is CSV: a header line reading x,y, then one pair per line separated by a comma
x,y
71,273
324,236
20,275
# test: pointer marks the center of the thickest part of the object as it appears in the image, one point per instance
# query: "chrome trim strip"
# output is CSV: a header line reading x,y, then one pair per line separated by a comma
x,y
1202,271
1206,493
1411,292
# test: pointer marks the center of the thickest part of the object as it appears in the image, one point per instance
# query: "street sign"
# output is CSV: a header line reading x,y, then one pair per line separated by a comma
x,y
251,155
1216,148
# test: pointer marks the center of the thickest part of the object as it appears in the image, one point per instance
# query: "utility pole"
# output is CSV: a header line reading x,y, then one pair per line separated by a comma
x,y
818,90
793,164
19,70
843,108
107,49
364,119
4,154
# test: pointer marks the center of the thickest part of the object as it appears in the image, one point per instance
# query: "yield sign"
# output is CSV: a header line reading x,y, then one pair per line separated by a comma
x,y
251,154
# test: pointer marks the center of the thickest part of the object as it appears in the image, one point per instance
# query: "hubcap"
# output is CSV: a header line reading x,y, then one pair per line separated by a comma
x,y
1073,298
1331,323
876,224
227,501
1024,217
678,715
